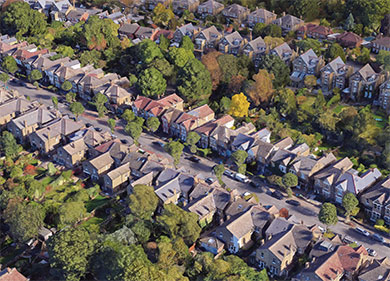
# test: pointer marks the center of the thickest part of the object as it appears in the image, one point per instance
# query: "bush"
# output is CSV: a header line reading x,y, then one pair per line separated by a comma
x,y
382,228
380,222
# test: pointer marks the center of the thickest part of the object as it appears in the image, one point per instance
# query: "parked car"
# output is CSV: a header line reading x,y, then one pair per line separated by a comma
x,y
228,173
293,202
88,125
277,194
362,231
97,129
194,159
255,184
321,229
210,180
378,238
371,252
159,143
349,240
241,178
164,139
124,141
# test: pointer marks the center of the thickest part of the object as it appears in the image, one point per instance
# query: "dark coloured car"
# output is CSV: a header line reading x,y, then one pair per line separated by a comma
x,y
194,159
124,141
255,184
293,202
210,180
159,143
277,194
88,125
378,238
98,130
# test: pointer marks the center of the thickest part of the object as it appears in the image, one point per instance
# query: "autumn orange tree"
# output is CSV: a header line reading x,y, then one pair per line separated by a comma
x,y
239,106
262,90
211,63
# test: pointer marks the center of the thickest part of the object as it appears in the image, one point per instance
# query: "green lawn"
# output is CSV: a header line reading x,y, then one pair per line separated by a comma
x,y
96,203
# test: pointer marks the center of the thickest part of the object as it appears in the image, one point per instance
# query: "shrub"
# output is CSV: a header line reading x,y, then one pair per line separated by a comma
x,y
380,222
382,228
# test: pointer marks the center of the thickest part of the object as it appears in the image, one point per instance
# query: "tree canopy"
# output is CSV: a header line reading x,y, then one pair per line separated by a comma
x,y
239,105
151,83
328,214
99,34
175,149
143,202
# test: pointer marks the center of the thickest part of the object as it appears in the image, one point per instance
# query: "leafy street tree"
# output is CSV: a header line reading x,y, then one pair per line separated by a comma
x,y
194,81
134,130
71,212
151,83
175,149
273,64
272,30
148,50
383,58
309,43
111,123
66,86
153,124
163,66
24,219
4,77
180,223
128,115
54,100
328,214
258,29
192,140
9,64
18,18
186,43
180,56
70,97
35,75
239,106
290,180
262,90
334,51
310,81
350,204
9,145
239,157
100,101
69,252
218,171
143,202
77,108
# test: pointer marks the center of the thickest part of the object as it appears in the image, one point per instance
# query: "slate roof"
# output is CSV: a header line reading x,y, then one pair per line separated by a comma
x,y
232,37
262,13
168,189
287,20
282,49
382,41
240,225
237,207
101,161
366,72
18,105
337,64
235,9
257,44
119,171
211,32
380,192
352,182
38,116
284,143
62,127
186,29
277,226
309,57
75,146
378,270
211,4
203,206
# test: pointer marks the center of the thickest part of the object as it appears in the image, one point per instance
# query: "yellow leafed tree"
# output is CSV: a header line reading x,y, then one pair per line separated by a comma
x,y
239,106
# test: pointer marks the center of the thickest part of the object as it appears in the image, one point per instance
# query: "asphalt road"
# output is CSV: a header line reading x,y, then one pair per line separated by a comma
x,y
306,212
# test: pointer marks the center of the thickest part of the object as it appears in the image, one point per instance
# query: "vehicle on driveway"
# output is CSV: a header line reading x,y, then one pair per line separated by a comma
x,y
277,194
88,125
241,178
124,141
228,173
193,159
210,180
378,238
349,240
97,129
371,252
293,202
362,231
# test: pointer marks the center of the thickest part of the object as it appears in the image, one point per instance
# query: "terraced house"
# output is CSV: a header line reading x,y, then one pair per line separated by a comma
x,y
231,43
261,16
334,75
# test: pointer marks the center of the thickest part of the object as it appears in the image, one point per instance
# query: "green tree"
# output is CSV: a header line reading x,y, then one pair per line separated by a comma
x,y
134,130
194,81
324,22
4,77
111,123
100,101
71,212
51,169
141,230
334,51
143,202
350,203
66,86
186,43
272,30
349,23
65,51
151,83
258,29
162,15
91,57
70,97
128,115
24,219
273,64
239,157
35,75
180,223
179,56
225,104
218,171
192,139
153,124
18,18
164,42
69,252
163,66
308,9
77,108
54,100
99,33
9,145
286,102
148,50
383,58
290,180
309,43
175,149
132,79
9,64
328,214
364,56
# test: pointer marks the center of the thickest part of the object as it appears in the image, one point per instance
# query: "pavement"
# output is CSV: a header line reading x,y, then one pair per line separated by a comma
x,y
306,212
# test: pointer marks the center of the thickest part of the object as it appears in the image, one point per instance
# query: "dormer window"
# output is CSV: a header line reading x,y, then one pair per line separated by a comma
x,y
236,42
